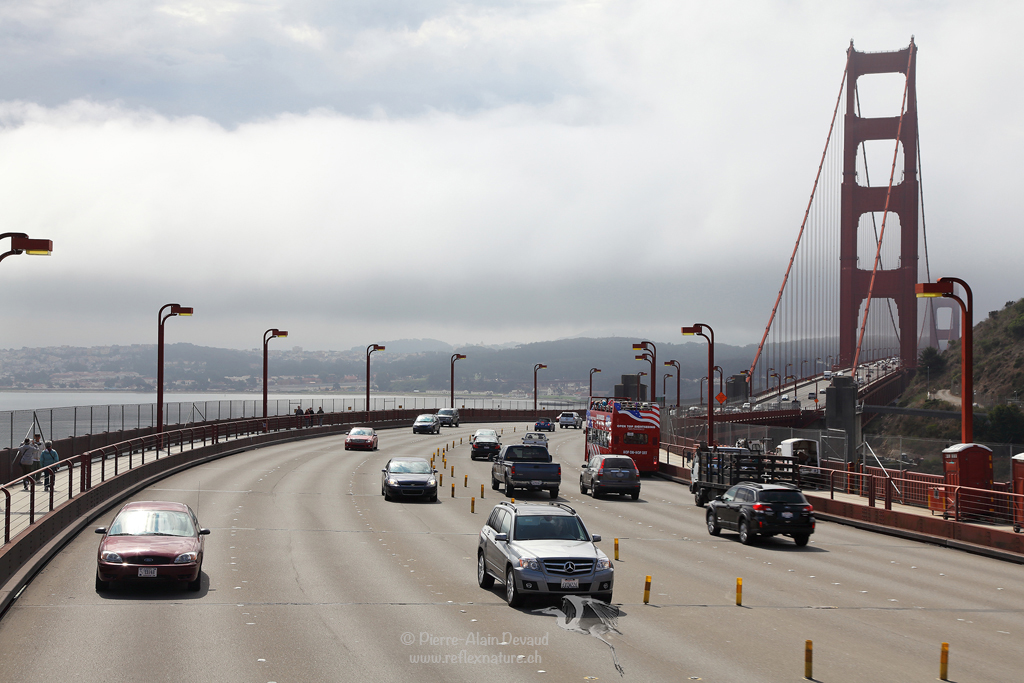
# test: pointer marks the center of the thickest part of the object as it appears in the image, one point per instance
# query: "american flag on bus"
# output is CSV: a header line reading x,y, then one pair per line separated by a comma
x,y
649,414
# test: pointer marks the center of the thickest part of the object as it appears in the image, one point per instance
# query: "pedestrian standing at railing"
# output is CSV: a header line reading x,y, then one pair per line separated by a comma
x,y
46,458
25,453
320,417
309,416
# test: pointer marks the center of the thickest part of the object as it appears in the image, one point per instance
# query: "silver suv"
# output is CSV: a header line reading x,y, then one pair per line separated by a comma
x,y
541,550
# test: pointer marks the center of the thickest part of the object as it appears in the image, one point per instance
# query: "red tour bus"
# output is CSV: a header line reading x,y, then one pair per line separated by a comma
x,y
620,426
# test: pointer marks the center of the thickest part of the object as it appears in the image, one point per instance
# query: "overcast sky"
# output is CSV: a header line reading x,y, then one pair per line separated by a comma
x,y
469,171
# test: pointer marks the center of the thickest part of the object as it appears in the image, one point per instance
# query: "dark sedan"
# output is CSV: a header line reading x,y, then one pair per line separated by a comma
x,y
361,437
543,424
408,478
426,424
151,541
485,448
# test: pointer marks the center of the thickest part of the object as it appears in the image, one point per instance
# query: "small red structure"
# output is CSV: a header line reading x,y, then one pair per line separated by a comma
x,y
969,465
1017,479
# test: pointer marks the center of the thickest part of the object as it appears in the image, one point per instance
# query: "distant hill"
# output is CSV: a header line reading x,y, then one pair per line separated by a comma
x,y
998,383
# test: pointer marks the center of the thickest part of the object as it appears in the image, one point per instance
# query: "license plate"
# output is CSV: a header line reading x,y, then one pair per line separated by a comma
x,y
620,475
535,482
787,515
570,583
148,572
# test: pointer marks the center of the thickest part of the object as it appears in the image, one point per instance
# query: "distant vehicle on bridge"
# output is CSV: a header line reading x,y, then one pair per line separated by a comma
x,y
619,426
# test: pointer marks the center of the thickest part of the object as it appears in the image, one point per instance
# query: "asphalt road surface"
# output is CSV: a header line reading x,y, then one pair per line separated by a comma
x,y
311,576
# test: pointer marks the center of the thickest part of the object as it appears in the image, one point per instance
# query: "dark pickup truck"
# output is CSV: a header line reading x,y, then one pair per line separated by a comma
x,y
714,471
519,466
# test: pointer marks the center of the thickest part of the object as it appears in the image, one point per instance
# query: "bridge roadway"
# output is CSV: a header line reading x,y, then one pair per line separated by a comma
x,y
309,575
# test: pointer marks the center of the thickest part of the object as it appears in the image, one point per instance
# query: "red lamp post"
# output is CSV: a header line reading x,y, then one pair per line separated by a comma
x,y
370,349
538,366
23,244
698,329
944,288
701,399
679,372
272,333
650,359
638,376
649,346
664,378
592,371
455,357
161,319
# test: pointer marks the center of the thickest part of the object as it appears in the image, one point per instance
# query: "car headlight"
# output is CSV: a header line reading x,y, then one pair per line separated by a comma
x,y
603,564
111,556
529,563
392,482
186,557
431,482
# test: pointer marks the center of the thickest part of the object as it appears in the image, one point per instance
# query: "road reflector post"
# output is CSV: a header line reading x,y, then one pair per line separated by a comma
x,y
647,589
465,482
616,550
808,659
453,470
944,663
739,592
440,482
472,505
481,491
460,440
513,501
453,489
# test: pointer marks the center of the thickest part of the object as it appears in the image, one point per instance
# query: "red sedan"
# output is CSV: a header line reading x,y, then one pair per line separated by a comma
x,y
151,541
361,437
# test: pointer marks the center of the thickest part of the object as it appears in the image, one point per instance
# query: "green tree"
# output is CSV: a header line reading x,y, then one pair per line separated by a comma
x,y
931,358
1005,424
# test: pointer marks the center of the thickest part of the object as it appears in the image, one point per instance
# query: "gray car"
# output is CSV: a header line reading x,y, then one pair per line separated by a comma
x,y
544,550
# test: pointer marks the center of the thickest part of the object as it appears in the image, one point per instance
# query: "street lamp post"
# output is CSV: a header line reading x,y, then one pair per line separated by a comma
x,y
701,399
369,350
776,376
538,366
161,319
592,371
649,346
679,372
455,357
23,244
721,374
267,336
650,359
698,329
664,378
944,288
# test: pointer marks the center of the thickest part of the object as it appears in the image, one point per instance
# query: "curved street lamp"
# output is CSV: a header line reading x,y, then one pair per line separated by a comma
x,y
370,349
699,329
679,372
592,371
944,288
23,244
455,357
647,356
649,346
538,366
272,333
161,319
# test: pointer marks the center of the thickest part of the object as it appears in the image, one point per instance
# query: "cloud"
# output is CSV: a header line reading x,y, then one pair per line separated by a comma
x,y
464,171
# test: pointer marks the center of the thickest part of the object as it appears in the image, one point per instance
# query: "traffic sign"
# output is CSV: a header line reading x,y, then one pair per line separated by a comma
x,y
721,398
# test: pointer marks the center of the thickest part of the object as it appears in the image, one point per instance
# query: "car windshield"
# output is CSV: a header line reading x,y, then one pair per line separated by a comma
x,y
527,453
618,463
152,523
361,432
549,527
446,411
791,497
425,418
410,467
534,435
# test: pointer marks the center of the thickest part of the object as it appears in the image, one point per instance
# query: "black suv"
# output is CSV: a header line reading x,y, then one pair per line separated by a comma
x,y
449,417
755,509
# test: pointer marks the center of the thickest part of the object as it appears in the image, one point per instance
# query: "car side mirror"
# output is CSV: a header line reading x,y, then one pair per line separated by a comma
x,y
204,532
596,537
583,466
385,471
101,529
501,537
435,471
719,498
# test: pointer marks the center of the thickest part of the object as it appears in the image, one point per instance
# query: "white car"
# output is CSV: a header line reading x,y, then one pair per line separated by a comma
x,y
485,432
535,439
